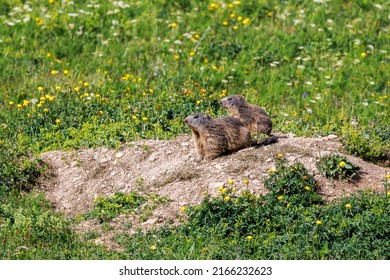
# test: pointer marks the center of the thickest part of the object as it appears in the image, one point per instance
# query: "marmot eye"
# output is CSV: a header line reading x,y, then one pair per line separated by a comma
x,y
229,98
196,116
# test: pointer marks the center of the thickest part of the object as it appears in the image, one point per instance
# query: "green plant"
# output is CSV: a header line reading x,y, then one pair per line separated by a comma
x,y
291,184
337,167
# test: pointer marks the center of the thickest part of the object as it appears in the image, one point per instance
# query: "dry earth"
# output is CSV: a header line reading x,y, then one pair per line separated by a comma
x,y
169,168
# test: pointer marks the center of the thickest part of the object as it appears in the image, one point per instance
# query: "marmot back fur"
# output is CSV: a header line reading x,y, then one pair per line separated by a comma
x,y
217,136
254,117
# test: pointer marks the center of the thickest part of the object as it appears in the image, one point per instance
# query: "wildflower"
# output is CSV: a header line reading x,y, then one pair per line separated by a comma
x,y
224,190
280,155
45,110
363,54
230,182
11,103
177,57
225,23
173,24
58,121
305,177
198,102
220,188
40,88
388,176
153,247
280,197
204,193
66,72
246,182
288,205
192,53
348,206
235,27
239,18
58,88
246,21
53,72
268,220
342,163
318,222
100,113
270,14
144,119
227,198
307,188
183,208
249,237
86,84
19,106
134,117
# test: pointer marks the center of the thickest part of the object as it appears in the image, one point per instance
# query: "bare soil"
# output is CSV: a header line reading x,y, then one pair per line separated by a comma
x,y
170,168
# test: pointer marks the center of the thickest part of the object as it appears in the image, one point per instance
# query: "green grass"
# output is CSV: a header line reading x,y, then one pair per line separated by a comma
x,y
79,74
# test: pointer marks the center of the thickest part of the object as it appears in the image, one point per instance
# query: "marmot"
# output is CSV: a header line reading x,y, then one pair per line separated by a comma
x,y
254,117
217,136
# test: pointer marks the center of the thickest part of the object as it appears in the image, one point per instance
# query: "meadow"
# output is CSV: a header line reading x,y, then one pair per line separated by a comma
x,y
84,74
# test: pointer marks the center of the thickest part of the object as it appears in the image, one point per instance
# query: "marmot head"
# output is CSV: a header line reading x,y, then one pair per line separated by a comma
x,y
198,120
232,101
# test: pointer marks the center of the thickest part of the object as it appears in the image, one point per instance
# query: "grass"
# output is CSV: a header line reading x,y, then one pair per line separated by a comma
x,y
85,74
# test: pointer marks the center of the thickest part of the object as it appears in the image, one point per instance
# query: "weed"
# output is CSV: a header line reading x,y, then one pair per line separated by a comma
x,y
337,167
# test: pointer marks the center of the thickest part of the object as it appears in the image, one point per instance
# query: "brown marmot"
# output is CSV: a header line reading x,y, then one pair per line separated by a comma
x,y
217,136
254,117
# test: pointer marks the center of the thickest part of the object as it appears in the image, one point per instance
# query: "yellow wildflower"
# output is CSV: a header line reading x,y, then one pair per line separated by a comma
x,y
318,222
348,206
342,163
249,237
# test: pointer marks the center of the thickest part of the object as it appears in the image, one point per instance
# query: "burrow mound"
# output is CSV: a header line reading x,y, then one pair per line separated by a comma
x,y
169,168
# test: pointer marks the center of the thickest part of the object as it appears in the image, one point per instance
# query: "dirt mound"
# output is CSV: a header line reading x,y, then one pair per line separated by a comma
x,y
169,168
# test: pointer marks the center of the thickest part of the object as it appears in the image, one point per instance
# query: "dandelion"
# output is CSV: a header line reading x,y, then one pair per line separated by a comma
x,y
66,72
173,24
363,54
348,206
388,176
58,88
249,237
235,27
144,119
153,247
280,197
192,53
100,113
318,222
19,106
45,110
227,198
307,188
134,117
53,72
246,182
342,164
204,193
86,84
225,23
183,208
11,103
177,57
58,121
246,21
224,190
239,18
40,88
280,155
230,182
198,102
